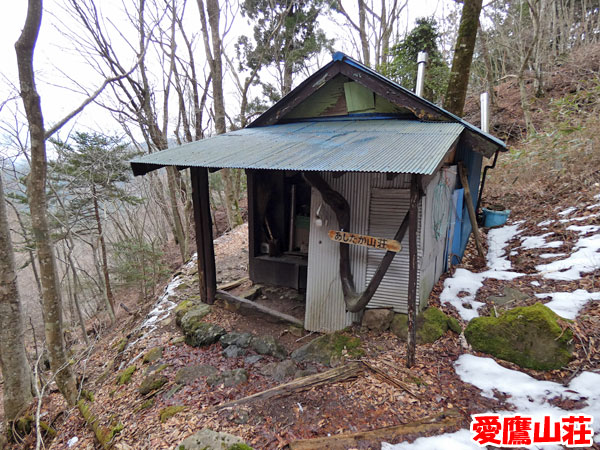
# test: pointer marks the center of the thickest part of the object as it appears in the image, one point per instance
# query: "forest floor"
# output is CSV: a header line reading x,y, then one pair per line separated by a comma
x,y
366,402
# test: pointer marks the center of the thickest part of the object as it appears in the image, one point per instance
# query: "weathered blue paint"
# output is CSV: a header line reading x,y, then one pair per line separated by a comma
x,y
472,162
456,238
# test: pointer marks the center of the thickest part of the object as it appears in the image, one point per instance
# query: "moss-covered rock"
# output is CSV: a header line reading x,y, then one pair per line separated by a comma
x,y
182,308
378,319
155,368
454,325
147,404
203,333
328,348
432,324
192,319
121,344
154,354
239,447
182,287
125,376
268,345
170,411
228,378
237,338
530,336
177,341
152,383
189,374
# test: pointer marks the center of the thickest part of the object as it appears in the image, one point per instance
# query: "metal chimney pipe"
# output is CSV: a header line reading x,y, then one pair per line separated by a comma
x,y
421,63
485,112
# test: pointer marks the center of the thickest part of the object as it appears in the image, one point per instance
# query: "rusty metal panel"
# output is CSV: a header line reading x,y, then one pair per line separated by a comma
x,y
325,307
387,209
340,145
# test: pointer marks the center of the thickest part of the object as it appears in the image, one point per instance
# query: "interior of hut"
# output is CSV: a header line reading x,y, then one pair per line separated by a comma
x,y
280,227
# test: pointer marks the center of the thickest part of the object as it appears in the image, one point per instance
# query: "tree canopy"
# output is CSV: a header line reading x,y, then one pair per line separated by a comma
x,y
403,66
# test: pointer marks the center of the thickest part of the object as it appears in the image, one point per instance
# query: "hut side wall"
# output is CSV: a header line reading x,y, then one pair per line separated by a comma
x,y
437,210
325,307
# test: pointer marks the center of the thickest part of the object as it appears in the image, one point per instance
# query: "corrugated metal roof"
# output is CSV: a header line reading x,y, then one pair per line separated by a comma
x,y
396,146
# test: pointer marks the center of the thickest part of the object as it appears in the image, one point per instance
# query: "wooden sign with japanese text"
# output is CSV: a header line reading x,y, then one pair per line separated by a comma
x,y
366,241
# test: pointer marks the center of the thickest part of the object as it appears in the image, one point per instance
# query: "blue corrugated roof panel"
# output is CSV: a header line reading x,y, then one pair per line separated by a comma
x,y
391,146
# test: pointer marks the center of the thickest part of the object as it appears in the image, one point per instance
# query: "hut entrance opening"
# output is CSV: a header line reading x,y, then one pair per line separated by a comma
x,y
279,226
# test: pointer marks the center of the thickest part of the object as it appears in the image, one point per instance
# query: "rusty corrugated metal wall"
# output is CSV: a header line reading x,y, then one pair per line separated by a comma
x,y
325,308
387,209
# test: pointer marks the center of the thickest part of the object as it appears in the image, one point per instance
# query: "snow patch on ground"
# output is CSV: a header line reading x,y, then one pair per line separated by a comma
x,y
528,395
584,259
567,211
584,229
568,304
162,309
461,440
461,289
466,284
529,242
163,306
578,219
552,255
498,238
545,223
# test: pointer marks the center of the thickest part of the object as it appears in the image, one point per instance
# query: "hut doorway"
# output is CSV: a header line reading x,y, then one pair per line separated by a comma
x,y
279,227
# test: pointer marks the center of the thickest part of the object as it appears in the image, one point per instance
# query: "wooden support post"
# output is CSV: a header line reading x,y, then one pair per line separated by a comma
x,y
207,274
413,213
469,201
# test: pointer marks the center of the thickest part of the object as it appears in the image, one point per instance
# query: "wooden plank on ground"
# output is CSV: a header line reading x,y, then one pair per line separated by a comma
x,y
232,284
447,419
337,374
260,308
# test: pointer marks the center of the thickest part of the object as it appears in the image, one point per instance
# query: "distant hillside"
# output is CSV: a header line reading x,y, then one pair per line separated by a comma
x,y
577,72
560,162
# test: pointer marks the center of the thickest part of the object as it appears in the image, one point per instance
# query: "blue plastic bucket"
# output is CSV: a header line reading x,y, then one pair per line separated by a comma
x,y
494,218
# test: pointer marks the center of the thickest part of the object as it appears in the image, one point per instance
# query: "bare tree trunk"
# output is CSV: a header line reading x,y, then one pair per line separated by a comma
x,y
13,360
107,286
97,266
76,285
36,196
456,93
210,34
489,71
179,231
364,40
26,237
